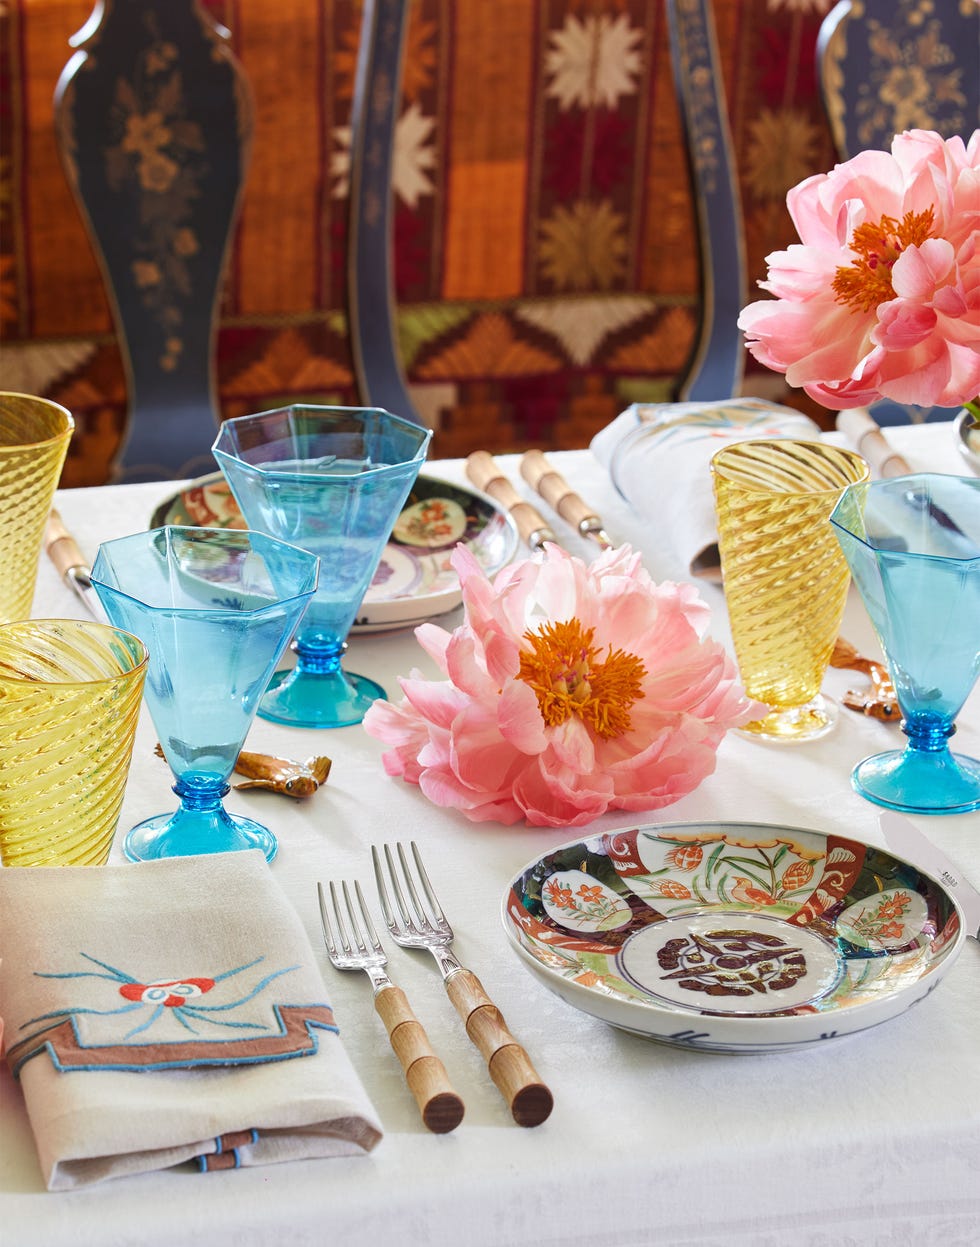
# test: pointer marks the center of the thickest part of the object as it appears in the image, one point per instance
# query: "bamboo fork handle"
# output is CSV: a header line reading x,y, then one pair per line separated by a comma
x,y
555,490
60,545
483,471
441,1107
510,1067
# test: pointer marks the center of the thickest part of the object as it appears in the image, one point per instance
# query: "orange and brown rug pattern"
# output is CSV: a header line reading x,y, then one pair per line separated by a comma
x,y
545,254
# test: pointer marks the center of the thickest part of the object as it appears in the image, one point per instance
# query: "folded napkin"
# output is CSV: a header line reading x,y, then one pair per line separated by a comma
x,y
657,455
170,1011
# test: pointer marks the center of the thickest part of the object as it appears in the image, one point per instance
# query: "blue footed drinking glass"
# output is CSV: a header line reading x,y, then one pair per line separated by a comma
x,y
215,608
333,480
913,546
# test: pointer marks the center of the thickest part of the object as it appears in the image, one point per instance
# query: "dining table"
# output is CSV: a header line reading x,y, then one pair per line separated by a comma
x,y
866,1138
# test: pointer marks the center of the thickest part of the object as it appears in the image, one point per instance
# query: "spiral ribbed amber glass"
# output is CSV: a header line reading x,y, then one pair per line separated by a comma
x,y
785,577
34,437
70,694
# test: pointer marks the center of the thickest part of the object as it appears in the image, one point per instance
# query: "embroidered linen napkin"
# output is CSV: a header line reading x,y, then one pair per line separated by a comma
x,y
170,1011
658,455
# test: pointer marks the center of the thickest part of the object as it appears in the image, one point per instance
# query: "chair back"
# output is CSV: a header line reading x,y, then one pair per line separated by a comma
x,y
716,364
370,267
154,120
714,370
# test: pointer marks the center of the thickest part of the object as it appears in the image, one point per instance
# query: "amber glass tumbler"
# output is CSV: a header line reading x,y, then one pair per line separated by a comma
x,y
34,437
70,695
784,575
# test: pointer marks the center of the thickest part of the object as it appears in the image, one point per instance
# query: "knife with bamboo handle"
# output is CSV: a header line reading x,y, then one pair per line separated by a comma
x,y
484,472
902,836
560,496
62,549
870,442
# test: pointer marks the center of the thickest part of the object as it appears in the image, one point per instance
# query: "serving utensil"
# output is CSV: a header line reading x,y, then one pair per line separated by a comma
x,y
485,473
357,947
560,496
412,925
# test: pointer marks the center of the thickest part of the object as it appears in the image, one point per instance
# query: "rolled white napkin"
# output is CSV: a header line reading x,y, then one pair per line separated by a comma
x,y
171,1011
657,455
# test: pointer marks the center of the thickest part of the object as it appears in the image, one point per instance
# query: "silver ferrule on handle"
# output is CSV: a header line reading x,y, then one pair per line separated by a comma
x,y
379,980
591,527
447,962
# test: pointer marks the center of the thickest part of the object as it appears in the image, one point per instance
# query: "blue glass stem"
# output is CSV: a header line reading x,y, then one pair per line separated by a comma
x,y
321,659
201,824
318,693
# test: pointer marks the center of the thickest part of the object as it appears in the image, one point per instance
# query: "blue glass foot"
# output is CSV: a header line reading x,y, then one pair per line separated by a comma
x,y
920,781
303,698
187,833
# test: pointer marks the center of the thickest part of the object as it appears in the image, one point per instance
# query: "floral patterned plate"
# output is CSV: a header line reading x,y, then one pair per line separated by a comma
x,y
733,937
414,581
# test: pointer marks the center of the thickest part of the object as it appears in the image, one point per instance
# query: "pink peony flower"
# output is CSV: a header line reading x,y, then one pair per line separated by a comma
x,y
882,296
570,690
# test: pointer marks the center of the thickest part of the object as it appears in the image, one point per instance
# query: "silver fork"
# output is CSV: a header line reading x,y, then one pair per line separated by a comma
x,y
416,925
357,947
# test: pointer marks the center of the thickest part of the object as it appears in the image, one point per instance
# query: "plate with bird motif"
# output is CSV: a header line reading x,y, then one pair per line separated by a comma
x,y
415,580
733,937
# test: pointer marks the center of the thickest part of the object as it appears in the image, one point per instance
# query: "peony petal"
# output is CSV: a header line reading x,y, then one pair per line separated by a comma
x,y
519,718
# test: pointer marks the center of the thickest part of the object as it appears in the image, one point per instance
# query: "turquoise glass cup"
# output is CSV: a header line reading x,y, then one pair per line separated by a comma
x,y
913,546
333,480
215,608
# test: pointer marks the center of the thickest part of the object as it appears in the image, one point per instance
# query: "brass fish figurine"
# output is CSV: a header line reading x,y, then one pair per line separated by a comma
x,y
282,775
879,701
285,775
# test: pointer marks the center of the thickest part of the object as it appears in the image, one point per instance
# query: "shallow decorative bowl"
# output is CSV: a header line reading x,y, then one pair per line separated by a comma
x,y
732,937
415,580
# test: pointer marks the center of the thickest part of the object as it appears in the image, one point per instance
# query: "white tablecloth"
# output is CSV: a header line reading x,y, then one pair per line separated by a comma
x,y
873,1139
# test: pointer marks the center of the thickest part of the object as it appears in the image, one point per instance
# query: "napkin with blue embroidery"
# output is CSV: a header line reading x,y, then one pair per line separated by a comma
x,y
171,1011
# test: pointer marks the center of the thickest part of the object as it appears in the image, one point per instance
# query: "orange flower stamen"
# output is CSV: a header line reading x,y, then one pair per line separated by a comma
x,y
568,676
868,282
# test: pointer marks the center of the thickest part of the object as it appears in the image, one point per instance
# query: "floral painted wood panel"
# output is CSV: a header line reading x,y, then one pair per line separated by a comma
x,y
544,246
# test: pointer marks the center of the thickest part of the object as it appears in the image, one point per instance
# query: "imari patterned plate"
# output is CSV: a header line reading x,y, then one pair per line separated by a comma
x,y
733,937
415,580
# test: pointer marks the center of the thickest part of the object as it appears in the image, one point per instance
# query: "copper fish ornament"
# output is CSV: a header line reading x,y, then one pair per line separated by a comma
x,y
879,701
282,775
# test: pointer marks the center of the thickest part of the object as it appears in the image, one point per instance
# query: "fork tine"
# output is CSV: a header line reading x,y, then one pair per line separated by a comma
x,y
379,879
430,895
338,914
423,917
357,935
396,888
371,933
328,937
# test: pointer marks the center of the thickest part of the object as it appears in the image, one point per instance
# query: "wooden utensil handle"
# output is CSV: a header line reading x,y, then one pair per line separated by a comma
x,y
442,1109
484,473
510,1067
60,545
555,490
870,442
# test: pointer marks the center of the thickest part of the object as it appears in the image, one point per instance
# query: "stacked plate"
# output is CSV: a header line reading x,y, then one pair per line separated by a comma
x,y
415,580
